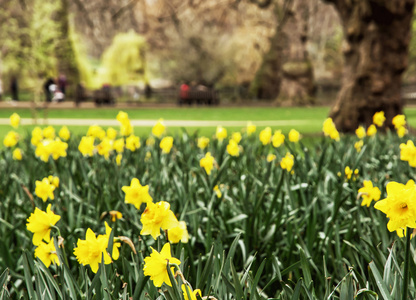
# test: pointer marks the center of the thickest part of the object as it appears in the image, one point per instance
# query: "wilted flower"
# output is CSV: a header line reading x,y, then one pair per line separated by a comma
x,y
11,139
178,233
46,252
378,118
40,224
360,132
136,194
287,162
207,163
369,193
232,148
91,250
17,154
399,205
155,265
86,146
166,144
371,130
265,135
15,120
133,143
44,189
278,138
64,133
203,142
294,136
115,215
159,128
221,133
157,216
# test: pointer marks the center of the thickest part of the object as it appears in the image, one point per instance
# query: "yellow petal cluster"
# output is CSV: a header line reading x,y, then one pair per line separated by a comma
x,y
40,224
11,139
186,289
220,133
278,139
159,128
17,154
360,132
250,128
330,129
44,189
287,162
166,144
408,153
46,252
369,193
133,143
207,162
265,136
294,136
86,146
157,216
379,118
15,120
203,142
233,148
136,194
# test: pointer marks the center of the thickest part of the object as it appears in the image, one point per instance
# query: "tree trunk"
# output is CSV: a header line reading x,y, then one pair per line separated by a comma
x,y
377,35
286,72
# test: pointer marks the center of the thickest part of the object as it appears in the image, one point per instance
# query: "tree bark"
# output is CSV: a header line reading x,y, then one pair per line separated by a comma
x,y
286,72
377,35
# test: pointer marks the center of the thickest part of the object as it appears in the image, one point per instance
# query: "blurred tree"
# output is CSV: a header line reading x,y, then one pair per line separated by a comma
x,y
377,35
286,71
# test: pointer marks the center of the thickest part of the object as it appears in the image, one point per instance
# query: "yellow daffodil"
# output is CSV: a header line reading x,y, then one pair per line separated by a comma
x,y
166,144
178,233
270,157
330,129
287,162
360,132
118,145
371,130
96,132
11,139
119,157
122,117
236,136
220,133
155,265
49,133
191,293
369,193
408,153
126,129
37,136
17,154
64,133
15,120
58,148
116,253
44,149
203,142
159,129
44,189
399,121
265,135
278,139
217,191
111,133
250,128
46,252
150,141
157,216
53,180
232,148
294,136
379,118
40,224
86,146
207,162
91,250
358,145
399,205
401,131
133,143
348,172
105,147
136,194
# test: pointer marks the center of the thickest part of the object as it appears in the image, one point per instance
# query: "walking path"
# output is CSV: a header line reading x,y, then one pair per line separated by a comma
x,y
150,123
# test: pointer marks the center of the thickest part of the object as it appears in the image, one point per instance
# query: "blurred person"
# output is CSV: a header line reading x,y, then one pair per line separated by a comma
x,y
62,83
49,89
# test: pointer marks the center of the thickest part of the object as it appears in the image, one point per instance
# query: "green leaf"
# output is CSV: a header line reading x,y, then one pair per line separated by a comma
x,y
379,281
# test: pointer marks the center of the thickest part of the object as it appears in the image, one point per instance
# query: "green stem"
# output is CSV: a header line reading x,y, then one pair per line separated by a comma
x,y
406,264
